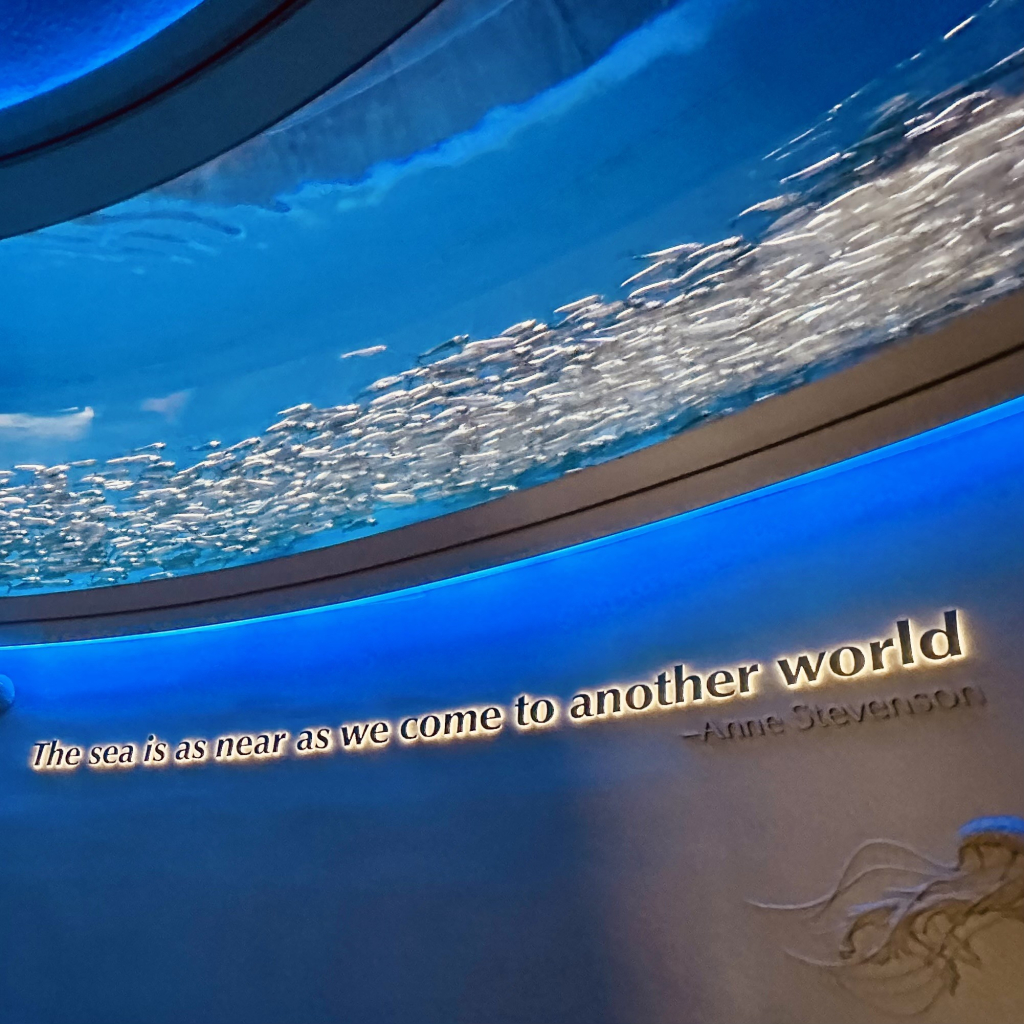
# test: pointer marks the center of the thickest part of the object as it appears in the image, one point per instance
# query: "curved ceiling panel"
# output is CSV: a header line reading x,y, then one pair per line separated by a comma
x,y
524,239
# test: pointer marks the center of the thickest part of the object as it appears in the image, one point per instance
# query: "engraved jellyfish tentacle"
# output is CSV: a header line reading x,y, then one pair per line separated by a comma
x,y
970,929
943,896
913,973
848,880
823,903
925,982
934,986
907,926
923,979
911,942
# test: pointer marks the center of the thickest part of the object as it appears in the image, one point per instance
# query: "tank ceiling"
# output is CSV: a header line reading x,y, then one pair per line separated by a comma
x,y
527,237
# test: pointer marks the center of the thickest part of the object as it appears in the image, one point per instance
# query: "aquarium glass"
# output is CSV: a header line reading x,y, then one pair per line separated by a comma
x,y
527,238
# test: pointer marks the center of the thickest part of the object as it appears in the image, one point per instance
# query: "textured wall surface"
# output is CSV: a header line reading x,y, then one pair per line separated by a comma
x,y
598,873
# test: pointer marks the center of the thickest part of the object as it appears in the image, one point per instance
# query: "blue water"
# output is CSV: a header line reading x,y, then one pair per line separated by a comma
x,y
184,321
664,145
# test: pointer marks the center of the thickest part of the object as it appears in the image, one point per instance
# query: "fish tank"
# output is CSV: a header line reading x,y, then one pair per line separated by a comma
x,y
524,239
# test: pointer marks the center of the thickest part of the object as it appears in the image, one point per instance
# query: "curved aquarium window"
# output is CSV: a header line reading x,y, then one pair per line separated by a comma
x,y
526,238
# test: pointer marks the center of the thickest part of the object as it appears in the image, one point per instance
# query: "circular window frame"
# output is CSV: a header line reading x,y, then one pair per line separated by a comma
x,y
222,73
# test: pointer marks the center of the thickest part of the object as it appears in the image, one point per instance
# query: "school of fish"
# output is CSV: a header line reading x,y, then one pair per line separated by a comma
x,y
920,221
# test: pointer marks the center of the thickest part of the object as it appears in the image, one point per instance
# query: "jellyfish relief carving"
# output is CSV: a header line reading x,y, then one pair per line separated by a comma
x,y
898,929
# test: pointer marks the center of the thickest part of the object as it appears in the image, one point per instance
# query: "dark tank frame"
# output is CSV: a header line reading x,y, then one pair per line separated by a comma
x,y
971,363
228,69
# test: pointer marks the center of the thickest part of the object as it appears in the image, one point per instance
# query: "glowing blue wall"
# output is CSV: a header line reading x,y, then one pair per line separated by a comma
x,y
520,878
